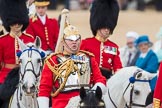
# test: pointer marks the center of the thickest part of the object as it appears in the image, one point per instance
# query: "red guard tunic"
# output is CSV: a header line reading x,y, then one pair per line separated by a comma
x,y
158,90
8,48
106,53
47,32
47,79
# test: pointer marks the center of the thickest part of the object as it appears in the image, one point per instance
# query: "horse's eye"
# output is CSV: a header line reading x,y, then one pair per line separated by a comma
x,y
39,60
137,92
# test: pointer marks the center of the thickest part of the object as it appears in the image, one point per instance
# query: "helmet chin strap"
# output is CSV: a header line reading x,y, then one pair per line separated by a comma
x,y
69,47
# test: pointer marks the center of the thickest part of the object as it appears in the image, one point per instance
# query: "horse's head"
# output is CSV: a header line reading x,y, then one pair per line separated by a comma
x,y
30,56
90,99
138,89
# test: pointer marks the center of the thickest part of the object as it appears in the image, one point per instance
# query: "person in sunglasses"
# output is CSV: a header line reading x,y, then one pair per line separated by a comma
x,y
65,72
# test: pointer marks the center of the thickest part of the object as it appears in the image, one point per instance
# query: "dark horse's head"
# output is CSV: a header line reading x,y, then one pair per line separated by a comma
x,y
90,99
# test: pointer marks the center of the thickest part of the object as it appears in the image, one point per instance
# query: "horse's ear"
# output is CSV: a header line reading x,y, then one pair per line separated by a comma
x,y
82,93
98,93
38,42
138,74
22,46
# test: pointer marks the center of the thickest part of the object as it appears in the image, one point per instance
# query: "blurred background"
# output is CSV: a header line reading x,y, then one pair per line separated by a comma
x,y
141,16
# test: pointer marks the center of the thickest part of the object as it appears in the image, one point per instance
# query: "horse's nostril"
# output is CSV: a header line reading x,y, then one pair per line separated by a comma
x,y
33,87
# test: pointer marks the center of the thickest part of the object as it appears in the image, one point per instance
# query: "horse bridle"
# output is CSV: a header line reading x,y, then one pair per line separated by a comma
x,y
131,83
132,80
29,61
25,70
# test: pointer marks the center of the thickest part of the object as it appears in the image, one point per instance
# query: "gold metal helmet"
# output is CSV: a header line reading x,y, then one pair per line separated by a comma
x,y
71,33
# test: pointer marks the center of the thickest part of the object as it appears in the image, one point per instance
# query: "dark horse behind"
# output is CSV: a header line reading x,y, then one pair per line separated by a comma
x,y
91,98
8,88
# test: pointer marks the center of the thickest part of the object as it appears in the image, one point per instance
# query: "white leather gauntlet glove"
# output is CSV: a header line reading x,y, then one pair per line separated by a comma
x,y
102,86
43,102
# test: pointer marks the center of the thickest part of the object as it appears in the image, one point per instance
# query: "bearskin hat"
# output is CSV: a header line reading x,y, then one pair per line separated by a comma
x,y
103,14
12,12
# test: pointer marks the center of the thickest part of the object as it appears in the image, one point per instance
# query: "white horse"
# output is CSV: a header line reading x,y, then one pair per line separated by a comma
x,y
128,88
30,68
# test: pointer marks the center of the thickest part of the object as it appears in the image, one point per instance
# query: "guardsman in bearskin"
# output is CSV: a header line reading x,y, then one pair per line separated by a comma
x,y
157,100
103,19
68,70
15,19
46,28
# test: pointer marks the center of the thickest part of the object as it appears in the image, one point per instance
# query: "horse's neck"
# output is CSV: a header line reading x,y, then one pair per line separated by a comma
x,y
116,91
114,99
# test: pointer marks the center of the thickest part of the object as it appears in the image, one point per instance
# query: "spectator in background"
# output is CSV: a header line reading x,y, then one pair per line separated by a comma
x,y
129,53
158,5
46,28
147,59
158,45
103,20
141,5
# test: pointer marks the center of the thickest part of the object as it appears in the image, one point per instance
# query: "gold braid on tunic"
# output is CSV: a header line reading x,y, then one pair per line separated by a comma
x,y
67,66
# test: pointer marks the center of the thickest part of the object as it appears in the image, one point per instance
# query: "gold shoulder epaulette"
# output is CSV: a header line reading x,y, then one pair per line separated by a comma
x,y
29,35
34,18
49,61
50,56
87,52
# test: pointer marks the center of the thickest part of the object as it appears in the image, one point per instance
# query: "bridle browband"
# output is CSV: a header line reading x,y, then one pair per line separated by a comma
x,y
132,80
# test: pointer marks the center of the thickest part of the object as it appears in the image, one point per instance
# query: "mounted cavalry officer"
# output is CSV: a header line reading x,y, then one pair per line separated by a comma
x,y
103,20
69,69
15,19
43,26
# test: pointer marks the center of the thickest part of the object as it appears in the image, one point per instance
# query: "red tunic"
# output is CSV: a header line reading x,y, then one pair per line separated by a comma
x,y
107,56
158,89
47,83
8,48
48,33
